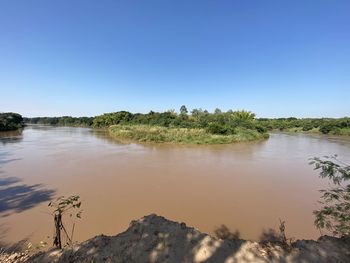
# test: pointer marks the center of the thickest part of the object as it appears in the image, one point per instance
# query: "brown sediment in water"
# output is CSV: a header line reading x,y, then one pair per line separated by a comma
x,y
246,186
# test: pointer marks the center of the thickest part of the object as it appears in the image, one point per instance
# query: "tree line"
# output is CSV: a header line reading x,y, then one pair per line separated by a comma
x,y
61,121
223,123
336,126
217,122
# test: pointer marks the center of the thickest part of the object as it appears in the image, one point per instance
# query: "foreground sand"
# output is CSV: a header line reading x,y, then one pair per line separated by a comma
x,y
156,239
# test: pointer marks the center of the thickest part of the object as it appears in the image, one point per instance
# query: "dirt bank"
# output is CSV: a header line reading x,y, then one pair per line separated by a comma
x,y
156,239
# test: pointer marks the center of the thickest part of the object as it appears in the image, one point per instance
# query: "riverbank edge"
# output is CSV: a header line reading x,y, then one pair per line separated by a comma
x,y
154,238
191,136
345,132
13,129
299,130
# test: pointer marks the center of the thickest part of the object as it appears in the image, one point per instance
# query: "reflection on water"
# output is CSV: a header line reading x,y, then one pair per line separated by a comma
x,y
10,136
245,186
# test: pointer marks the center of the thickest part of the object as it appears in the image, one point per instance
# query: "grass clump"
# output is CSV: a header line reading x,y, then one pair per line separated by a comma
x,y
158,134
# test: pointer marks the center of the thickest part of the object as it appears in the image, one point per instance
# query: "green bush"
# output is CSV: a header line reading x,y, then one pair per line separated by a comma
x,y
307,127
216,128
334,215
260,128
326,128
10,121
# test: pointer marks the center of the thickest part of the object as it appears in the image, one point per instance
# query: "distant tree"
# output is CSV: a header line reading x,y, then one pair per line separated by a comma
x,y
61,121
183,110
196,113
217,111
183,115
334,214
243,115
10,121
243,118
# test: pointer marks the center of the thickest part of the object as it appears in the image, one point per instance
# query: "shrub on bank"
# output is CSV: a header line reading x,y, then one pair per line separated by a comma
x,y
10,121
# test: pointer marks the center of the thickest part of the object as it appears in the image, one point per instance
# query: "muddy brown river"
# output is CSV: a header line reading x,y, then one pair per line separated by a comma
x,y
246,186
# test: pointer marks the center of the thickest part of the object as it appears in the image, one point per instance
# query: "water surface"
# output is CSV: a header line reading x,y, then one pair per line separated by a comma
x,y
246,186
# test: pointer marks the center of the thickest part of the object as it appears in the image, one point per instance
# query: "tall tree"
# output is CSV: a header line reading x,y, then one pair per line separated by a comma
x,y
183,110
217,111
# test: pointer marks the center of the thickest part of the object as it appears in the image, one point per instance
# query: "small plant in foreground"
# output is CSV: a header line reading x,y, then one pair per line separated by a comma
x,y
35,248
61,207
280,237
335,212
286,242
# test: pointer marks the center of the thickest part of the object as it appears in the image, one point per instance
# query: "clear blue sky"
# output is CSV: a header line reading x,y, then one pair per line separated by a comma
x,y
84,58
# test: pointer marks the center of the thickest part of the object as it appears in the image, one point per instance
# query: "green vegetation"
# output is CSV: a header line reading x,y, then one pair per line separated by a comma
x,y
61,121
10,121
201,127
339,126
335,212
220,123
147,133
197,126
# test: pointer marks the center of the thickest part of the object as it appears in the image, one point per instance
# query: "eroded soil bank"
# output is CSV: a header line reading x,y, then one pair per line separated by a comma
x,y
156,239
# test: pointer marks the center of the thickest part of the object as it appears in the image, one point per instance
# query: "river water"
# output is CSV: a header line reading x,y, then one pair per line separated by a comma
x,y
246,186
